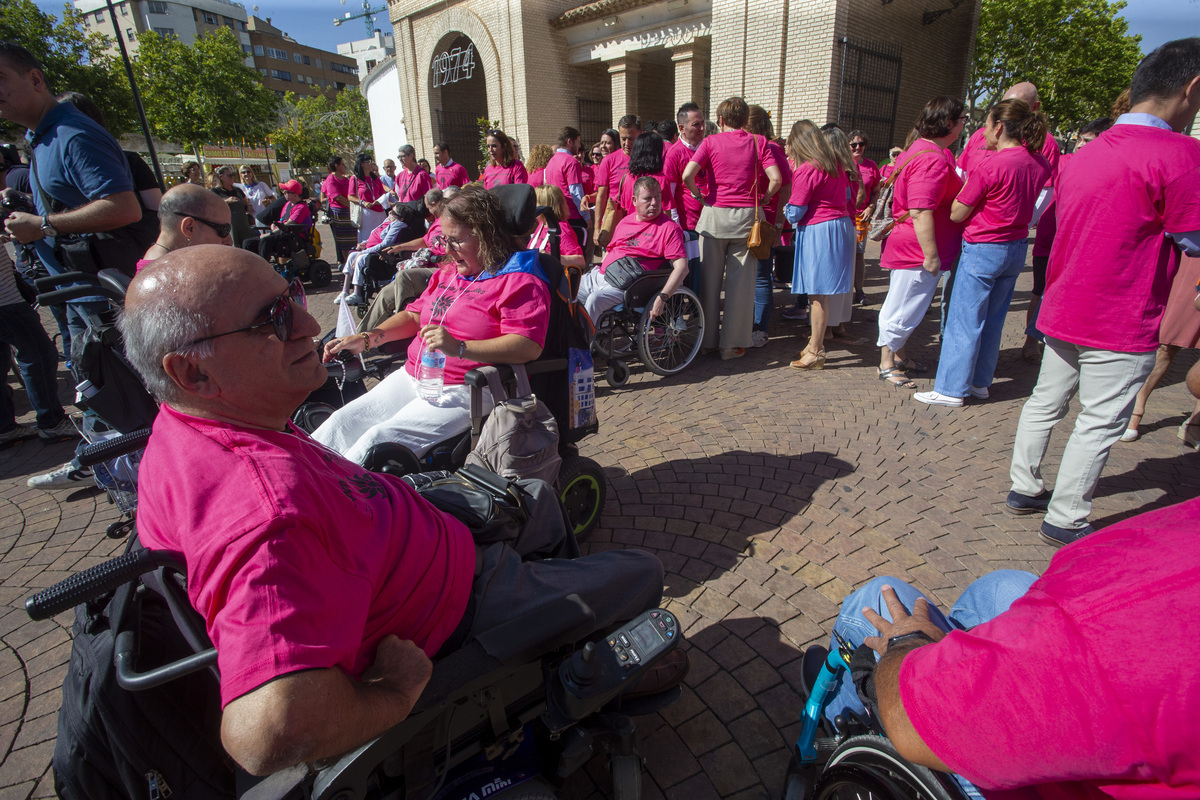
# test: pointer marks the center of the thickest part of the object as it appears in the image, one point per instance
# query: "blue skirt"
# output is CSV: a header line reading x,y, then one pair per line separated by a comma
x,y
824,258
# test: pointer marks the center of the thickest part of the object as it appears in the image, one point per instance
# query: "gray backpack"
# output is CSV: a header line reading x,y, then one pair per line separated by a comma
x,y
520,438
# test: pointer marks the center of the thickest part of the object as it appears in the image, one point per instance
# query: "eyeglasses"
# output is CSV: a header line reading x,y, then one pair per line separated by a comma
x,y
225,174
221,230
247,172
279,316
858,145
449,243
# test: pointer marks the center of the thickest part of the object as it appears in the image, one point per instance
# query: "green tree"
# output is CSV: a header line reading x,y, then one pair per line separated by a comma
x,y
203,92
1078,53
74,60
311,129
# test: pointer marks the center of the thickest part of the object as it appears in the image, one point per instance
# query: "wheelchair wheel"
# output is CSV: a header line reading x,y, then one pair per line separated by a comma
x,y
311,416
581,488
869,767
613,339
669,343
319,273
617,374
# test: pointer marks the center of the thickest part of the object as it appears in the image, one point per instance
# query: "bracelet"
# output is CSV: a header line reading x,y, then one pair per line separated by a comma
x,y
462,347
366,337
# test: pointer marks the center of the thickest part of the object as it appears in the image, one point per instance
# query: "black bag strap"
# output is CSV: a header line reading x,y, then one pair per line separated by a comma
x,y
49,203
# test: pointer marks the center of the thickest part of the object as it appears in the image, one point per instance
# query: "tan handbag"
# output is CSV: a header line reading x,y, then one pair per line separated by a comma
x,y
612,215
762,233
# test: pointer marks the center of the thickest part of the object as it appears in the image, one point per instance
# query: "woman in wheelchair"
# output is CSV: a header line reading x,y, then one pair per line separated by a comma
x,y
570,254
295,218
648,235
488,304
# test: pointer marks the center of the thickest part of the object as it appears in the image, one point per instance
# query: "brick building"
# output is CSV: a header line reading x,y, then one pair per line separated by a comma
x,y
537,65
288,66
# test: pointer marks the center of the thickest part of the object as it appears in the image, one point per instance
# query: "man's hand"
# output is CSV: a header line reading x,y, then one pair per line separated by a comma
x,y
25,228
902,622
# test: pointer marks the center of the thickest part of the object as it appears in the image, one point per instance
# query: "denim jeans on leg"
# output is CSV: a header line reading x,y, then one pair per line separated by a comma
x,y
983,288
37,361
983,600
764,290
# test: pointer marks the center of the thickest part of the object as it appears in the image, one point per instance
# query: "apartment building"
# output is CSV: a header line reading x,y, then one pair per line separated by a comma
x,y
288,66
186,19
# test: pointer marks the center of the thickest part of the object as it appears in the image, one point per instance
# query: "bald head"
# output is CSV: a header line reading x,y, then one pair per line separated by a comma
x,y
183,213
1024,91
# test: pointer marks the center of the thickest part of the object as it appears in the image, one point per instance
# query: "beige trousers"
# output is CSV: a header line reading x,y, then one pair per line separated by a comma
x,y
725,259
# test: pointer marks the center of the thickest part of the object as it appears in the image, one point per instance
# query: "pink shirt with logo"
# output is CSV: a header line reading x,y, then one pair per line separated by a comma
x,y
297,558
1069,711
825,195
1003,190
568,242
678,157
871,177
452,174
735,159
431,235
976,149
477,310
334,186
927,180
563,171
652,242
1111,265
412,185
496,175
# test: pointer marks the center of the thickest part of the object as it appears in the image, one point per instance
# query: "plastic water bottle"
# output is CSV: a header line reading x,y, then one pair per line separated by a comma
x,y
430,375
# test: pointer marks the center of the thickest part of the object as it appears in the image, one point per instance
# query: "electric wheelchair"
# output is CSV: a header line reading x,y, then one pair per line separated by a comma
x,y
298,255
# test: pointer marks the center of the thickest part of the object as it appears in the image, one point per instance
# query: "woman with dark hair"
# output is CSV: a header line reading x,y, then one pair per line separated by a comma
x,y
741,179
488,304
764,281
645,160
336,190
868,170
997,205
366,191
504,166
610,142
925,240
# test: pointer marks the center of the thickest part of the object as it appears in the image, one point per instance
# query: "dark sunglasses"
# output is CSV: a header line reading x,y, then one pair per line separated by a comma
x,y
221,230
279,316
858,145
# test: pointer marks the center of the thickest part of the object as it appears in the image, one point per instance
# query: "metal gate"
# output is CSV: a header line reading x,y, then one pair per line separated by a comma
x,y
595,117
869,92
460,130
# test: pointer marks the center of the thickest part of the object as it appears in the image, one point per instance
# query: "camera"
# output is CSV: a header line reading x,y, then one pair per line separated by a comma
x,y
13,201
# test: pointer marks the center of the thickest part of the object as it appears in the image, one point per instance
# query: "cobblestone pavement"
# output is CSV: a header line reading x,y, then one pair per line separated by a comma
x,y
768,493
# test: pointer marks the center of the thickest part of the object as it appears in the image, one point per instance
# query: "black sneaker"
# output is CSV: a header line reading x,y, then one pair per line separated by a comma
x,y
860,298
1019,504
1054,535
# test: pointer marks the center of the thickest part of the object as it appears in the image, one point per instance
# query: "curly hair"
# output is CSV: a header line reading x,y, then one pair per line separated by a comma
x,y
480,210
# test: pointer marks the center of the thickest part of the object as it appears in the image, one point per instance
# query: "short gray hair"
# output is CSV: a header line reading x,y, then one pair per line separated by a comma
x,y
407,150
157,325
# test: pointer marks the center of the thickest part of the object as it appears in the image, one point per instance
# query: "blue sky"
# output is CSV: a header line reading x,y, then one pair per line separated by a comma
x,y
311,21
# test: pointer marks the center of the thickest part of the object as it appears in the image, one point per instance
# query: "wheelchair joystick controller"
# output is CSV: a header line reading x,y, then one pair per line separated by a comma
x,y
582,670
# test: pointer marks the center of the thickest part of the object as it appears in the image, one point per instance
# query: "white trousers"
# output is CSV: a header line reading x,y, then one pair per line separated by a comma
x,y
909,293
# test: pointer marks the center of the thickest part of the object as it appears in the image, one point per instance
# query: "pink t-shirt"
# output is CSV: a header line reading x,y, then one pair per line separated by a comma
x,y
537,177
826,196
490,305
776,156
297,558
452,174
295,214
927,180
1047,225
1111,265
141,264
568,242
678,157
334,186
496,175
871,177
976,149
1003,189
435,230
368,191
735,160
611,170
626,200
563,171
376,235
1051,699
412,184
652,242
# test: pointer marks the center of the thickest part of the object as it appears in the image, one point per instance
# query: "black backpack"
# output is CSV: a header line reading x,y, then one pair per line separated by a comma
x,y
160,742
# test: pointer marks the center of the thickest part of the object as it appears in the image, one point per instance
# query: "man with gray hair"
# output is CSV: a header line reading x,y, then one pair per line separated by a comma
x,y
412,182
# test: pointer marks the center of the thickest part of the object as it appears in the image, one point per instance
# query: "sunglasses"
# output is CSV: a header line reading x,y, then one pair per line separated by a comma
x,y
450,244
858,145
221,230
279,316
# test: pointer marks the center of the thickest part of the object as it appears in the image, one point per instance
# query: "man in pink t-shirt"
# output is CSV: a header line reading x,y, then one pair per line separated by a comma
x,y
325,588
1126,205
691,133
613,169
1034,688
565,171
448,172
412,182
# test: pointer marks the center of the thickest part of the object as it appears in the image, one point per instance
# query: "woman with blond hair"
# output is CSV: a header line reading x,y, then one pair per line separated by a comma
x,y
820,208
841,307
570,254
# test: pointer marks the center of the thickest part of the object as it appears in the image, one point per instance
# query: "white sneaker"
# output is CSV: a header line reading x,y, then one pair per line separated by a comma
x,y
63,430
340,297
980,392
65,477
759,338
1130,435
938,399
17,433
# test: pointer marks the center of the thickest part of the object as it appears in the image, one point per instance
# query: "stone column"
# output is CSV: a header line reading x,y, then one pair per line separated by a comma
x,y
624,74
691,62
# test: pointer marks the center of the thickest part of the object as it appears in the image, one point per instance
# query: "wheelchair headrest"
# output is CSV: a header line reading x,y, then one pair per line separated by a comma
x,y
520,207
114,279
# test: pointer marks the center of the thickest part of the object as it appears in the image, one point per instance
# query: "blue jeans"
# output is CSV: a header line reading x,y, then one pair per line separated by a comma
x,y
986,598
764,288
37,361
983,288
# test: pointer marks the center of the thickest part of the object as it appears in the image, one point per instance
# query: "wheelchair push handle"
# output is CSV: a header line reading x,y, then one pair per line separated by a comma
x,y
112,448
836,662
93,582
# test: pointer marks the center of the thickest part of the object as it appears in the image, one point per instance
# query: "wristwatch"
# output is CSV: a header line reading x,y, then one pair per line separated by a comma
x,y
48,229
916,637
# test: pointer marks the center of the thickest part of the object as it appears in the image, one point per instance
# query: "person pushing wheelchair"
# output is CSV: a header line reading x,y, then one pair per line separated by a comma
x,y
325,588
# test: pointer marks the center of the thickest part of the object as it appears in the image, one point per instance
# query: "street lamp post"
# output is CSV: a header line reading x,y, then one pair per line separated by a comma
x,y
137,96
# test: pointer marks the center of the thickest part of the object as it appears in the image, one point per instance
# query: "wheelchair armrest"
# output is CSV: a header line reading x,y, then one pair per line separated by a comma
x,y
53,281
478,379
112,448
562,622
78,293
